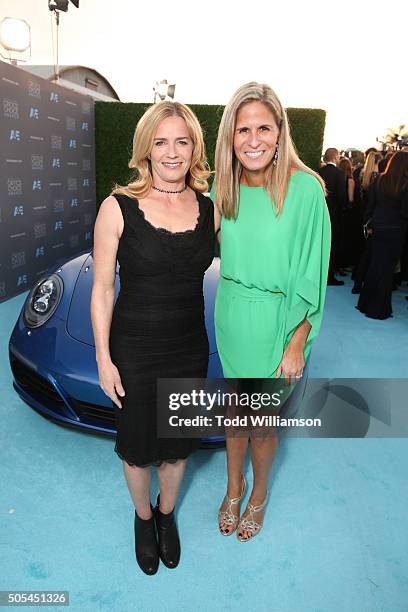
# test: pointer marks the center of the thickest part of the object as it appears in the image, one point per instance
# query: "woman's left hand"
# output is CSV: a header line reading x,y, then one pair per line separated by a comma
x,y
292,364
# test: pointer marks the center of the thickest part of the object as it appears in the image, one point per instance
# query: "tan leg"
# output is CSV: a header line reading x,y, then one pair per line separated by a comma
x,y
236,450
170,476
138,482
263,450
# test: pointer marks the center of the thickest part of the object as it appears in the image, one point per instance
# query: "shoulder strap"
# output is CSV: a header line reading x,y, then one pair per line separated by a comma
x,y
205,203
127,203
120,200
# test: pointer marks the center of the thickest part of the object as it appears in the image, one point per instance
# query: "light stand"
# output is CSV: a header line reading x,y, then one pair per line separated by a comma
x,y
58,6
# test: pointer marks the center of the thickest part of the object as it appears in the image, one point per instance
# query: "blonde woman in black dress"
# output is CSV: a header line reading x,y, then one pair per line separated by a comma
x,y
160,227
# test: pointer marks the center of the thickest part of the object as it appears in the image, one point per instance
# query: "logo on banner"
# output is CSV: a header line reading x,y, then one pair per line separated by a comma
x,y
10,109
87,235
58,225
86,107
39,251
14,187
56,162
72,184
40,230
85,126
71,124
34,113
18,259
86,164
34,89
37,162
15,135
85,182
74,240
22,280
18,211
56,141
3,289
74,202
72,143
58,205
37,185
54,97
87,219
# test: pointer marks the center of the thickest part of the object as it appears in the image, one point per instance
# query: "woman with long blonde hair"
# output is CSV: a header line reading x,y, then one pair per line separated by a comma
x,y
368,176
275,245
370,170
160,227
350,243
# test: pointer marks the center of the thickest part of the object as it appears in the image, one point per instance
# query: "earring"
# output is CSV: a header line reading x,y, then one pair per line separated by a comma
x,y
275,155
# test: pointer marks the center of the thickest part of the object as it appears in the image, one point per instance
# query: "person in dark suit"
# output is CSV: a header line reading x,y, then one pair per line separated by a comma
x,y
336,201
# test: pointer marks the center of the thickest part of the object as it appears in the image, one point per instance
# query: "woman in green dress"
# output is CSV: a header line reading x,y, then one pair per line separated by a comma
x,y
275,243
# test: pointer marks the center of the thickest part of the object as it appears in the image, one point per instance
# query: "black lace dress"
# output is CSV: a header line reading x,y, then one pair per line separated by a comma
x,y
158,328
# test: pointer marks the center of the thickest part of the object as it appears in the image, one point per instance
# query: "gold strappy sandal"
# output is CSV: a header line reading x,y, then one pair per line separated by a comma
x,y
226,518
248,523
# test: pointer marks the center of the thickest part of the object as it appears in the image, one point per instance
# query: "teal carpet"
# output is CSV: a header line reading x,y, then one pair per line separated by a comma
x,y
336,527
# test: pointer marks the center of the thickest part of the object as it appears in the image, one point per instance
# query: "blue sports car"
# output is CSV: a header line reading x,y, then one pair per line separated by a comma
x,y
52,357
52,351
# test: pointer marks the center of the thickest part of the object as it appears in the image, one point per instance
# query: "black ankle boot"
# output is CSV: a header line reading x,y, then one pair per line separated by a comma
x,y
169,542
146,546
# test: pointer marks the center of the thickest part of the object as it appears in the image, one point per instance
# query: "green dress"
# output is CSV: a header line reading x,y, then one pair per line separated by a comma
x,y
273,275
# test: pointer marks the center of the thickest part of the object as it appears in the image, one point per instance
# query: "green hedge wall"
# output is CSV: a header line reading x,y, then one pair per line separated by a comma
x,y
307,129
115,124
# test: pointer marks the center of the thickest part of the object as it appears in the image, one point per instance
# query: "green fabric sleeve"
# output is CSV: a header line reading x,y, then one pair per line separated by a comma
x,y
309,267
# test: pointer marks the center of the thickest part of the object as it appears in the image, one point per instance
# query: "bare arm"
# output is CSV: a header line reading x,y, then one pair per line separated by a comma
x,y
300,335
108,229
293,362
217,222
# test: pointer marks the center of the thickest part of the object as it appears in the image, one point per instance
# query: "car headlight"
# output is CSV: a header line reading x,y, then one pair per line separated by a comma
x,y
43,300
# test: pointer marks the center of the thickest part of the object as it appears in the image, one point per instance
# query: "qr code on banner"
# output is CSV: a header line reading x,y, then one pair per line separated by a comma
x,y
74,240
14,187
37,162
86,108
18,259
71,123
34,89
58,205
56,141
10,109
40,230
72,184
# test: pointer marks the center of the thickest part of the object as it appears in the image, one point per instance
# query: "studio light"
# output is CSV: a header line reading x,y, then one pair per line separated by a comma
x,y
15,36
163,91
61,5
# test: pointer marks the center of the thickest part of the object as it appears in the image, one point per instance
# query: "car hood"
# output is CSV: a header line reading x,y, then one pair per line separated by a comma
x,y
79,319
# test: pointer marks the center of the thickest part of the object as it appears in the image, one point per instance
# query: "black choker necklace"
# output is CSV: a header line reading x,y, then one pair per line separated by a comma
x,y
166,191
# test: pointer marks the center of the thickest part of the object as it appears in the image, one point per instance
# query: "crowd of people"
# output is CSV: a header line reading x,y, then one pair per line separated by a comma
x,y
368,207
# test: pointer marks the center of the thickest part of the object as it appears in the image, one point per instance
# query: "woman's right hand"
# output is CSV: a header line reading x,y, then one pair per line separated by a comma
x,y
109,381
